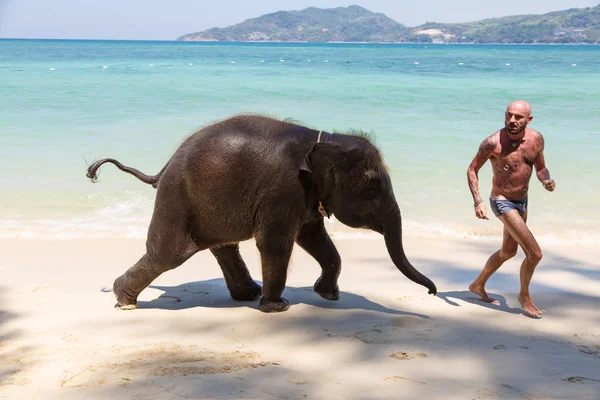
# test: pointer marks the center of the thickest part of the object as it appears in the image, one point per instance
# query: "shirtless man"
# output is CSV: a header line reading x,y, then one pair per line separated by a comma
x,y
513,152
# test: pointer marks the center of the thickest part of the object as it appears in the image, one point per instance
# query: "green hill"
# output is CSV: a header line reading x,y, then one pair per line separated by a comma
x,y
357,24
342,24
576,25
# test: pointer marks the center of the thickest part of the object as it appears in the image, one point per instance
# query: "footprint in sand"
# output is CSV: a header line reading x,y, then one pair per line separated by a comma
x,y
14,379
401,355
191,290
408,322
297,382
504,391
175,299
401,378
593,350
161,360
165,299
373,336
485,393
78,379
70,338
580,379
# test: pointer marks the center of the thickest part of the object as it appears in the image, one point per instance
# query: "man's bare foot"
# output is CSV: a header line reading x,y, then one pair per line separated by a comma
x,y
480,291
528,307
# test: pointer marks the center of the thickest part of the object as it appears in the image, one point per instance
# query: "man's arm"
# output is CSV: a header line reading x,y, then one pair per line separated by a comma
x,y
483,154
542,172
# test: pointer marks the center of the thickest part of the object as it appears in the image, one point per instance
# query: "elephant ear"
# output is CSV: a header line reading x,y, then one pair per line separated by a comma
x,y
316,172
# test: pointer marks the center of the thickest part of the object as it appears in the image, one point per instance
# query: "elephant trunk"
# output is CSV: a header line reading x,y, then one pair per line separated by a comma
x,y
392,233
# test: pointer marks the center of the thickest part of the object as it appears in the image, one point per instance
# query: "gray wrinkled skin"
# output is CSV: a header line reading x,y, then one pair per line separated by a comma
x,y
256,177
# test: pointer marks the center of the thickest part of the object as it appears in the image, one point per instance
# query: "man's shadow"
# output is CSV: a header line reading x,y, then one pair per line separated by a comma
x,y
500,303
214,294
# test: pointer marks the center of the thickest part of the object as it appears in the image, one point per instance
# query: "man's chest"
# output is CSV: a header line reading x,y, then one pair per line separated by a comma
x,y
515,157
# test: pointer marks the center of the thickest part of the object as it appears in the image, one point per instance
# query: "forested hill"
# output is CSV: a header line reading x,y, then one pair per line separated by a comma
x,y
576,25
357,24
342,24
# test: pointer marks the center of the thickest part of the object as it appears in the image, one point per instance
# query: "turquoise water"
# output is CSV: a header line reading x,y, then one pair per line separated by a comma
x,y
429,107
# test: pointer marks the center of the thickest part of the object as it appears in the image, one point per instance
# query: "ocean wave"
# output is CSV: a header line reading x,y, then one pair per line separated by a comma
x,y
126,215
130,219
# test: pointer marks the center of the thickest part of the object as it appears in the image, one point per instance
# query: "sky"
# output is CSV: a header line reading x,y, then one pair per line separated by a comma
x,y
167,20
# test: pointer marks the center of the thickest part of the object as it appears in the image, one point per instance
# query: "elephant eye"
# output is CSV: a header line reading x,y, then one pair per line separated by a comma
x,y
370,194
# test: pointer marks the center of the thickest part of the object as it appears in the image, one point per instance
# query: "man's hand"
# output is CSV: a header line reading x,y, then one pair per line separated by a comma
x,y
549,185
480,211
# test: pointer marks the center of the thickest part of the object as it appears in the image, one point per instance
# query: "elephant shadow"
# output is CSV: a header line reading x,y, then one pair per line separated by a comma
x,y
213,293
469,297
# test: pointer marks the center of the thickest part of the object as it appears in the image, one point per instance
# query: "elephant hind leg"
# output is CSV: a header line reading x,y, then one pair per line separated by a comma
x,y
128,286
169,245
240,284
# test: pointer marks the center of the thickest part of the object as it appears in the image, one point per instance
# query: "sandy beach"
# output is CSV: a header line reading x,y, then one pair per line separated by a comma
x,y
61,338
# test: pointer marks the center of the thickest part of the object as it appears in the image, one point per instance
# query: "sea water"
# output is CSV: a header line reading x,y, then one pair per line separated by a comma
x,y
64,104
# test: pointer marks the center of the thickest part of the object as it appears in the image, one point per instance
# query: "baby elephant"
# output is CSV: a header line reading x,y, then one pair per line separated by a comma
x,y
257,177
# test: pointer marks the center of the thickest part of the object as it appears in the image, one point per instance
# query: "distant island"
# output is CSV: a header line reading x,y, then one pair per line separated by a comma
x,y
357,24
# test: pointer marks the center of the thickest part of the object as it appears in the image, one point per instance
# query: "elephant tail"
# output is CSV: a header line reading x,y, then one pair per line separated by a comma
x,y
92,172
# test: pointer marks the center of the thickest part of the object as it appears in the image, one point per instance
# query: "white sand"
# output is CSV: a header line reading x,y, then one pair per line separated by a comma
x,y
61,338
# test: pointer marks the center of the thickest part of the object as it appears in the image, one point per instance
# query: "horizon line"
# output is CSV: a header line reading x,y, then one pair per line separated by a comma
x,y
297,42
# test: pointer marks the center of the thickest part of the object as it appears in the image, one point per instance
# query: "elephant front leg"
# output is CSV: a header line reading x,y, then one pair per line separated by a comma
x,y
240,284
275,251
316,241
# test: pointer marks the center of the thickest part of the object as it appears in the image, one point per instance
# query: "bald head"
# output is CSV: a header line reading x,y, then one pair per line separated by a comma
x,y
517,116
520,106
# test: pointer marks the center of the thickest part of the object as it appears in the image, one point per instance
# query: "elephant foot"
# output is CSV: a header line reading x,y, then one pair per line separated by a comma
x,y
269,306
124,300
126,307
327,291
245,292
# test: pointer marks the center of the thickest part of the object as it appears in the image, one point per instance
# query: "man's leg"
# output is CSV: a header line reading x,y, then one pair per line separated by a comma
x,y
533,254
507,251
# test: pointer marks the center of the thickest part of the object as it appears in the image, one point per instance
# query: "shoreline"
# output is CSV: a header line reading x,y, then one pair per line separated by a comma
x,y
54,231
294,42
